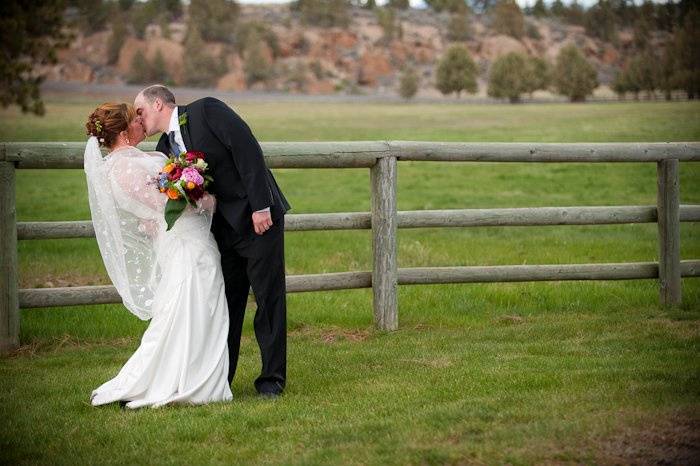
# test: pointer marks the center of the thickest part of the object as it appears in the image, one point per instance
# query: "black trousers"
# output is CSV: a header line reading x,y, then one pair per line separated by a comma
x,y
256,262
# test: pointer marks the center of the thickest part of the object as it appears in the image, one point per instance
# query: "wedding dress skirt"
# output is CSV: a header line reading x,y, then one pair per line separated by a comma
x,y
183,355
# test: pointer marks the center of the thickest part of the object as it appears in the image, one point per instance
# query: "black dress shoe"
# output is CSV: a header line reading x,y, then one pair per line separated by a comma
x,y
270,389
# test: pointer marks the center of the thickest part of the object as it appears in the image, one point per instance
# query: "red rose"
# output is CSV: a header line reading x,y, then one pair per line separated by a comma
x,y
191,156
175,174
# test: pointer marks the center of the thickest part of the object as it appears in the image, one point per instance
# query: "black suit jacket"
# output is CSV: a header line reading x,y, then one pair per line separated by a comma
x,y
242,182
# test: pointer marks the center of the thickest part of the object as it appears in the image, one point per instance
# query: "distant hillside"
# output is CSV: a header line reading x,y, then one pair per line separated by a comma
x,y
315,60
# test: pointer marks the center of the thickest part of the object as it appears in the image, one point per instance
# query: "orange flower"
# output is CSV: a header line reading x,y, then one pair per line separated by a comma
x,y
173,194
190,185
168,168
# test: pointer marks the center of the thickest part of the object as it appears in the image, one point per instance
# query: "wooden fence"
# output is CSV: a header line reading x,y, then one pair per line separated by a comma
x,y
384,219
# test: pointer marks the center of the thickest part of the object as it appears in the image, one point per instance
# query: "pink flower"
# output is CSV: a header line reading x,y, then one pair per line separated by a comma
x,y
191,174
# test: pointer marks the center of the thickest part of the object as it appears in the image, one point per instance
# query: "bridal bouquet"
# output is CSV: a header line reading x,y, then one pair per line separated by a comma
x,y
184,180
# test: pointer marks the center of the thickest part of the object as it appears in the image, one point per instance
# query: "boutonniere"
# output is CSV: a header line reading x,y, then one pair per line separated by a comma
x,y
182,119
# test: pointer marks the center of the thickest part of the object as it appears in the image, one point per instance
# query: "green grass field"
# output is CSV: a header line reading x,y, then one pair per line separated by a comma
x,y
522,373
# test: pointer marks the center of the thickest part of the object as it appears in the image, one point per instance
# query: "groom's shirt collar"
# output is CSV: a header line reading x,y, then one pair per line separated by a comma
x,y
174,126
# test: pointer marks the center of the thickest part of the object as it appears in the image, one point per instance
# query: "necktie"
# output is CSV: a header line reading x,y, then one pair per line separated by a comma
x,y
174,147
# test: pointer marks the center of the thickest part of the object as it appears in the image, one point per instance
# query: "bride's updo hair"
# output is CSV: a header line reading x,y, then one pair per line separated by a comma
x,y
108,120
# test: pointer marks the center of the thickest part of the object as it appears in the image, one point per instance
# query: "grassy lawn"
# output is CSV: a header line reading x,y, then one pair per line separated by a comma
x,y
571,372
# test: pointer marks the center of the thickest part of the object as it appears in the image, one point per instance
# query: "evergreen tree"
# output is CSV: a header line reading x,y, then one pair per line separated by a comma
x,y
159,69
456,72
619,84
666,75
508,19
540,74
557,8
116,38
642,32
452,6
92,15
643,73
199,68
647,12
458,29
30,37
665,15
164,24
140,69
141,15
539,10
510,76
251,32
600,21
215,19
574,77
408,83
574,13
144,71
257,68
686,50
324,13
391,26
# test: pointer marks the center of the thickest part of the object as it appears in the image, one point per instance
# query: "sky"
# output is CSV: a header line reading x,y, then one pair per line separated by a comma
x,y
419,3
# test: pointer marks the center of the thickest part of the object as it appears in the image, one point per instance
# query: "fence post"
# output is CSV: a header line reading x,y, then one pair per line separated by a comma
x,y
384,224
9,304
668,218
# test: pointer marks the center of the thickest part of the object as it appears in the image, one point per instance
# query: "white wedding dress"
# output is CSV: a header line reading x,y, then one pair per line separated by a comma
x,y
171,277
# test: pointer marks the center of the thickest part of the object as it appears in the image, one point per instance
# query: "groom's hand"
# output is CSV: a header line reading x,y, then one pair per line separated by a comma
x,y
262,221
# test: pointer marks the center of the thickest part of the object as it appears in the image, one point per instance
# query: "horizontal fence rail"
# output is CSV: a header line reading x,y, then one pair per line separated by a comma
x,y
381,158
531,216
107,294
364,154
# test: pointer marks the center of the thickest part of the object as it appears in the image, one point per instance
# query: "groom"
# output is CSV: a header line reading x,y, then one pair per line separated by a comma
x,y
248,223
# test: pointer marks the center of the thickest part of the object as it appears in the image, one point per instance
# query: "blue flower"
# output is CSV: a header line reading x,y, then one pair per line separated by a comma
x,y
162,180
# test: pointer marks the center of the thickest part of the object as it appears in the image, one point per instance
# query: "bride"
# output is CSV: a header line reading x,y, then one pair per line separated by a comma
x,y
171,277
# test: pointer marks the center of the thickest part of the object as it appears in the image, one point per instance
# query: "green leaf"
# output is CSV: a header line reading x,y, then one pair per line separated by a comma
x,y
173,210
182,119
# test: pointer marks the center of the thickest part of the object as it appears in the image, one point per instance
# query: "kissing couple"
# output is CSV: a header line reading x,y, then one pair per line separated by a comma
x,y
190,276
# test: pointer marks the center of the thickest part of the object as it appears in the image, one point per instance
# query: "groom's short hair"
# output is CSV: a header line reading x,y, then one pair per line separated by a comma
x,y
158,91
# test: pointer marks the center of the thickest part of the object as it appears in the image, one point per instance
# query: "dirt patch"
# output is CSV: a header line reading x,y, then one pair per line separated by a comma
x,y
509,320
668,440
682,328
330,334
56,344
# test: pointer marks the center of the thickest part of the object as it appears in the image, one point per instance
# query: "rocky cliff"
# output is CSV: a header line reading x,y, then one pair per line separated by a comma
x,y
358,58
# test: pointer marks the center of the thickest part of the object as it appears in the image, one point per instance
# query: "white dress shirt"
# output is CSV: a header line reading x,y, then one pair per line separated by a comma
x,y
175,126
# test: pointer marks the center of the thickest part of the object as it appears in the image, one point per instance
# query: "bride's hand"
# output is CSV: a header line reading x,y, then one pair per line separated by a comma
x,y
207,202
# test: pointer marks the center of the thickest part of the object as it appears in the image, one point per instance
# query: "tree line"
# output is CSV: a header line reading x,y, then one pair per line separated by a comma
x,y
32,32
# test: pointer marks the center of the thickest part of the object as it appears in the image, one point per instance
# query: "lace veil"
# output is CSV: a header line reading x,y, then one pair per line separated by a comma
x,y
127,213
